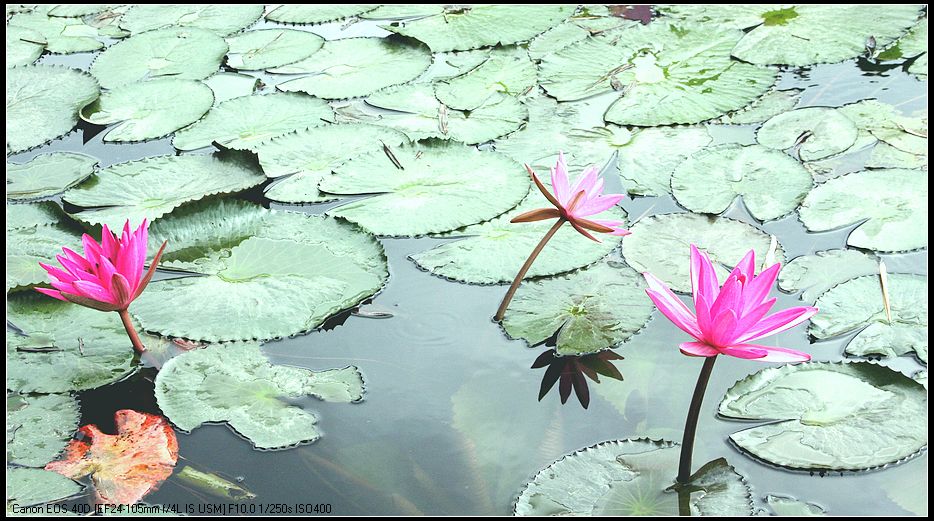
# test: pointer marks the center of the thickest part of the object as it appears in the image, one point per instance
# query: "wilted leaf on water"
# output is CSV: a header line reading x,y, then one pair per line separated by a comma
x,y
35,233
213,484
245,122
508,70
632,477
42,103
62,35
857,305
186,53
771,183
813,132
660,244
788,506
236,384
316,14
125,466
769,105
265,48
229,85
27,487
150,109
152,187
815,274
38,427
590,310
221,19
23,46
899,224
47,175
855,416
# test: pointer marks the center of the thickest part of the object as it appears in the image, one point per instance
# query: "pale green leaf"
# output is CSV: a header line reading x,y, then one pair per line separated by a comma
x,y
26,487
62,35
221,19
38,427
265,48
815,274
813,132
47,175
508,70
316,14
23,46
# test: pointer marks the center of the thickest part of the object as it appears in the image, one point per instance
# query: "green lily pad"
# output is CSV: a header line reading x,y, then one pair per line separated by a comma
x,y
237,385
221,19
857,305
150,109
308,155
23,46
592,309
632,477
899,223
35,233
186,53
47,175
882,122
38,427
265,48
434,190
152,187
316,14
915,44
815,274
771,183
669,73
461,28
62,35
818,132
42,103
73,10
660,245
508,70
230,85
448,65
27,487
829,416
244,122
768,106
400,12
548,131
885,155
573,30
269,274
20,216
787,506
647,157
69,347
353,67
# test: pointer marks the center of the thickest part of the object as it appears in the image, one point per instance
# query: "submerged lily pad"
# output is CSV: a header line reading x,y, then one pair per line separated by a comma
x,y
221,19
316,14
669,73
434,187
856,416
815,132
42,103
632,477
237,385
38,427
62,35
768,106
229,85
592,309
28,487
244,122
508,70
660,244
23,46
461,28
771,183
150,109
35,233
815,274
265,48
858,305
186,53
47,175
787,506
308,155
69,347
353,67
898,224
152,187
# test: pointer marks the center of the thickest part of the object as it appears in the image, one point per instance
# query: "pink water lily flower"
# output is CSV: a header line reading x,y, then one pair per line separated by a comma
x,y
727,318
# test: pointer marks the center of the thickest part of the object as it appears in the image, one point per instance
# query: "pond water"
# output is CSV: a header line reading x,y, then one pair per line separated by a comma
x,y
452,422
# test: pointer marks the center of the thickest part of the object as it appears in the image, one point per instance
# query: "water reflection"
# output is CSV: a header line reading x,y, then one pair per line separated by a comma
x,y
572,370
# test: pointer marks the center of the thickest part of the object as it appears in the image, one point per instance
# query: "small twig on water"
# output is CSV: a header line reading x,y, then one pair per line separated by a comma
x,y
391,156
883,279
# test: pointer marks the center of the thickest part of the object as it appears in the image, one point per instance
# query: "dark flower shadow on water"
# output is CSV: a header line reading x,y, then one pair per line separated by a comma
x,y
573,372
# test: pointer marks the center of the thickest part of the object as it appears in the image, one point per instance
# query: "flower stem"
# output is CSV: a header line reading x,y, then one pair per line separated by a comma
x,y
524,269
690,426
130,331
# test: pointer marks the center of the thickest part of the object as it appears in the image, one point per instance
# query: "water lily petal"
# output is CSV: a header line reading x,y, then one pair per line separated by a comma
x,y
746,351
57,273
542,189
698,349
777,354
94,291
778,322
597,205
54,293
559,179
671,306
584,232
703,277
538,214
747,266
724,325
758,289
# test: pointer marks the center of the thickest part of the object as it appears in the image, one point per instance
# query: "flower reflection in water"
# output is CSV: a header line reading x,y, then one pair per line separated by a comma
x,y
572,370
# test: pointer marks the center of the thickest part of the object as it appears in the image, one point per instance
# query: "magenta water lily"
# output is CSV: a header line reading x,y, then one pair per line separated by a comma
x,y
725,320
109,276
572,204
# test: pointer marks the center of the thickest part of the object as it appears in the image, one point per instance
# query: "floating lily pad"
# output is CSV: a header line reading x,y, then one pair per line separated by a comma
x,y
62,35
768,106
857,305
669,73
47,175
575,29
35,233
21,216
915,43
439,187
592,309
237,385
230,85
352,67
42,103
855,416
38,427
400,12
508,70
72,10
647,157
632,477
265,48
316,14
28,487
885,123
815,274
787,506
23,46
150,109
447,65
185,53
817,132
461,28
244,122
221,19
308,155
900,223
885,155
152,187
771,183
549,131
69,347
660,244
